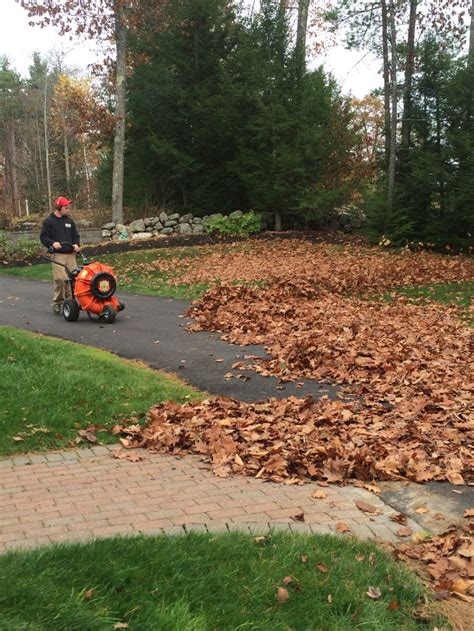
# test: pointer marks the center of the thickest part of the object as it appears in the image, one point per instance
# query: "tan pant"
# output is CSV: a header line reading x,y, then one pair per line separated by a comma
x,y
62,288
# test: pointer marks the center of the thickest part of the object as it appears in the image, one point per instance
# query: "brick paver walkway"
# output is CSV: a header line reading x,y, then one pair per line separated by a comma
x,y
82,494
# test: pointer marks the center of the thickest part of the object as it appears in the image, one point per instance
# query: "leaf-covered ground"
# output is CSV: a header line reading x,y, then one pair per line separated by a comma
x,y
407,412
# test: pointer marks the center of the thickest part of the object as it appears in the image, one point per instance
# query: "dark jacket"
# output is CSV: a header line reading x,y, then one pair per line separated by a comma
x,y
62,229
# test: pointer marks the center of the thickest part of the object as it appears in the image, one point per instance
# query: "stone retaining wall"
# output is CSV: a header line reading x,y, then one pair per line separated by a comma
x,y
162,224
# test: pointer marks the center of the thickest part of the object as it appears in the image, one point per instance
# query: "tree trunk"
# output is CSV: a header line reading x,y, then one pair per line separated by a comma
x,y
471,37
277,218
14,170
11,174
303,6
46,140
394,108
409,71
87,171
119,140
40,153
386,81
67,167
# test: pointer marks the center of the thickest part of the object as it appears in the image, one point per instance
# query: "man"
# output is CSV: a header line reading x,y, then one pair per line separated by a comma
x,y
60,228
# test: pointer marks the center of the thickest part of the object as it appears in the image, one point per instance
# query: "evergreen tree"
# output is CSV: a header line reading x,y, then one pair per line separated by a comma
x,y
221,118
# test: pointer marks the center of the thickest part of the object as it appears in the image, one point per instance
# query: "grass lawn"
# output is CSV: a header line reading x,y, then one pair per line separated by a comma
x,y
50,388
459,294
210,582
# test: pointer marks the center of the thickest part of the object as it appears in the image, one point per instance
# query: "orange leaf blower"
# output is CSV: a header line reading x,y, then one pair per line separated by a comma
x,y
93,286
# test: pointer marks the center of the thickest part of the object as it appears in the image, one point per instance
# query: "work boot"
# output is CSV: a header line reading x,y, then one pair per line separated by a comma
x,y
57,308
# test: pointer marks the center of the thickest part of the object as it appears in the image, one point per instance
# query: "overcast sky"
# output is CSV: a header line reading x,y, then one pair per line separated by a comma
x,y
356,72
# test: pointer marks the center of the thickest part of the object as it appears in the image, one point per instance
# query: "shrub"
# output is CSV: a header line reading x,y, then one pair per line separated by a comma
x,y
244,226
20,250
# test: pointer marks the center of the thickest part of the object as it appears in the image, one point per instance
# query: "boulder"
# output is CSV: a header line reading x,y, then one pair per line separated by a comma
x,y
138,236
148,221
184,228
120,227
137,226
174,217
197,220
236,214
166,231
197,228
216,216
171,223
186,218
163,217
106,234
344,219
158,226
109,226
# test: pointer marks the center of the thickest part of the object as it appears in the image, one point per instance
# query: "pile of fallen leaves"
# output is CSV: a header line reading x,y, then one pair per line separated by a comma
x,y
447,560
291,440
341,270
406,368
410,363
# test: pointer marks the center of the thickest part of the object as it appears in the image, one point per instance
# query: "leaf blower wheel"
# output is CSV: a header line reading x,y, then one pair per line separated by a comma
x,y
103,285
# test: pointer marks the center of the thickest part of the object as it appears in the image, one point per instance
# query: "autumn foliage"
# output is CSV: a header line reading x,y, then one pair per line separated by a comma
x,y
404,411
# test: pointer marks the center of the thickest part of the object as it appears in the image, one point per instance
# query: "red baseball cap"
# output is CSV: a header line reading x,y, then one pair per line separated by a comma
x,y
62,201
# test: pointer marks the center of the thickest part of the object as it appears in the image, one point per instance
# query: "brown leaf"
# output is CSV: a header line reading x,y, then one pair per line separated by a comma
x,y
467,550
282,595
322,568
421,510
469,512
304,558
399,518
355,614
404,531
373,592
360,557
298,517
367,508
462,586
287,580
393,605
342,527
442,595
455,477
88,594
88,435
238,460
121,625
319,495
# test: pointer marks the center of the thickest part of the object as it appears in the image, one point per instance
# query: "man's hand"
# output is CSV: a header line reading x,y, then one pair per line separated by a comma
x,y
56,245
76,247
